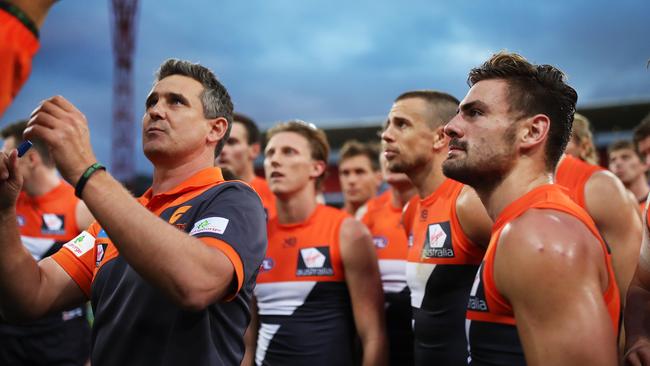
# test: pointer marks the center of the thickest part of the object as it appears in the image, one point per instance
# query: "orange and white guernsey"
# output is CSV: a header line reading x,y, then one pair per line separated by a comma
x,y
302,297
491,326
442,263
385,224
573,174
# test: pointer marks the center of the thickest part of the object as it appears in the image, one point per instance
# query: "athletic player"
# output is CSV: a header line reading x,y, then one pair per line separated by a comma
x,y
239,154
448,225
546,292
382,215
48,215
359,174
626,163
320,279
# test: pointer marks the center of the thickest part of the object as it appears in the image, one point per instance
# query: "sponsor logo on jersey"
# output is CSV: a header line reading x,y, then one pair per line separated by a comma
x,y
315,261
477,300
101,252
267,264
438,241
81,244
380,242
53,224
21,220
213,225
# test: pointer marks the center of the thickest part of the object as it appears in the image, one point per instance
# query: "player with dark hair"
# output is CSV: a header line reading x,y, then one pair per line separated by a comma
x,y
547,283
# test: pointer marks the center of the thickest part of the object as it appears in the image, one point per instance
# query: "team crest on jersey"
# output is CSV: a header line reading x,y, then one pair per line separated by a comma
x,y
267,264
53,224
315,261
438,241
380,242
424,214
21,220
101,252
289,242
477,301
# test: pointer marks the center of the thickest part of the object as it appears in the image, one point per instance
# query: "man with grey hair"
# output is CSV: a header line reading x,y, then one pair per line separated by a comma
x,y
170,275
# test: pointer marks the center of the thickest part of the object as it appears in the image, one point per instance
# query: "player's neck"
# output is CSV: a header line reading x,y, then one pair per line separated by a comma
x,y
519,181
167,177
352,207
248,174
41,182
296,207
428,179
639,187
399,195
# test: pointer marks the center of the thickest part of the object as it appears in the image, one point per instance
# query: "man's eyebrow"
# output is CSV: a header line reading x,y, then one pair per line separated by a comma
x,y
150,98
473,104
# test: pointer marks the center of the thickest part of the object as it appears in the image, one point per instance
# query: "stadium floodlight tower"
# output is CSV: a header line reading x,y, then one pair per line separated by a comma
x,y
123,22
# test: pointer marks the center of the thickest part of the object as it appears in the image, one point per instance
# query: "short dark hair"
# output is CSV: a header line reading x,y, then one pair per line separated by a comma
x,y
215,98
534,89
445,105
352,148
320,148
16,130
642,130
252,131
623,145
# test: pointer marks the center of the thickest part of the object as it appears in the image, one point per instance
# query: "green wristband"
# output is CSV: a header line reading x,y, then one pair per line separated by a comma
x,y
85,176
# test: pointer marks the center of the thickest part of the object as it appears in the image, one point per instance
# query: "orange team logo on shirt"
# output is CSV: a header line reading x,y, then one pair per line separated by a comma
x,y
178,213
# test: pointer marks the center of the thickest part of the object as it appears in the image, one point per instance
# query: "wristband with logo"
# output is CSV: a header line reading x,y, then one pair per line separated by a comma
x,y
85,176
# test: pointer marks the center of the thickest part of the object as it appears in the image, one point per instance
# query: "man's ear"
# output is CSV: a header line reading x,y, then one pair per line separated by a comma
x,y
440,139
318,168
218,128
534,131
254,151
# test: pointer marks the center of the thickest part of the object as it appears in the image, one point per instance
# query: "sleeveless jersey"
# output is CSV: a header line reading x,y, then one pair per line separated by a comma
x,y
385,224
491,327
442,263
302,297
573,174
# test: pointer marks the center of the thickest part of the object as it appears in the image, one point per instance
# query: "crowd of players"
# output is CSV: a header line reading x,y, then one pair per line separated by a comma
x,y
489,245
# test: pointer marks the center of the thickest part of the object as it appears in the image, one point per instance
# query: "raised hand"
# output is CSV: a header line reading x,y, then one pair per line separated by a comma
x,y
64,129
11,181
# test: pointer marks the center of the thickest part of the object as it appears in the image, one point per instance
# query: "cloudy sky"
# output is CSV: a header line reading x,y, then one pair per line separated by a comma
x,y
335,61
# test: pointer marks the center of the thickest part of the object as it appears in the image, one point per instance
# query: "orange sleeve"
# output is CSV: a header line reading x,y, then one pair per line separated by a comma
x,y
234,258
18,45
77,258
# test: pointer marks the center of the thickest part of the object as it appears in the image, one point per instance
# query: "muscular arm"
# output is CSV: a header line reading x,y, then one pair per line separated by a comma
x,y
191,273
250,336
551,270
473,217
637,319
618,221
364,284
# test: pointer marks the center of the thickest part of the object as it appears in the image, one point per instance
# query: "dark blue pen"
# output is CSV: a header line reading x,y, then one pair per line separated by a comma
x,y
22,149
